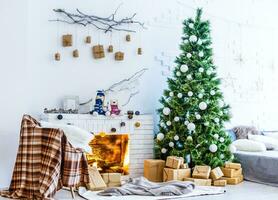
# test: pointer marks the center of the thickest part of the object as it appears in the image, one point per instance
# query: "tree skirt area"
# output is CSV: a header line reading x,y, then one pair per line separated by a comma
x,y
198,191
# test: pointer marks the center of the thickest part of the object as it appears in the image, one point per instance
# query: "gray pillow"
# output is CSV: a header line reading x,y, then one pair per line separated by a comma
x,y
243,131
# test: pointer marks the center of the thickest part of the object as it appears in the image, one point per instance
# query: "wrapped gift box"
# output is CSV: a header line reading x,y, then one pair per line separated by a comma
x,y
153,170
98,51
220,182
96,181
202,172
119,55
199,182
233,165
184,166
174,162
67,40
112,179
216,173
231,172
234,180
176,174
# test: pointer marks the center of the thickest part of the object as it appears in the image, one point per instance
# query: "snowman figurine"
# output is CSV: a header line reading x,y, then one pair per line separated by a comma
x,y
114,107
99,103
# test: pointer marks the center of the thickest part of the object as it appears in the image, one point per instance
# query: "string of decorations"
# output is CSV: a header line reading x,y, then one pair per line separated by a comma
x,y
106,24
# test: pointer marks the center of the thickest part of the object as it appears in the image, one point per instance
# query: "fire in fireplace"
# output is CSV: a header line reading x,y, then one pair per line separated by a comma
x,y
110,152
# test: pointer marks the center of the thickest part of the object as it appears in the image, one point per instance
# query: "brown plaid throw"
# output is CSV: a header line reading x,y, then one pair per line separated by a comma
x,y
45,163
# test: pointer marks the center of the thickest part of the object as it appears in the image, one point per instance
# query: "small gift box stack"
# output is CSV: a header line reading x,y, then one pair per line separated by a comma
x,y
232,173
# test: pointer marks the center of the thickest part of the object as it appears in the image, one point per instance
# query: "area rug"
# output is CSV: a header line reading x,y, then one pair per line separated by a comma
x,y
198,191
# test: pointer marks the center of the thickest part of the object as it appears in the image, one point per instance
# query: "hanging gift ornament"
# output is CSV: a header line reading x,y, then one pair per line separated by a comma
x,y
110,48
139,51
57,56
88,40
75,53
128,38
119,56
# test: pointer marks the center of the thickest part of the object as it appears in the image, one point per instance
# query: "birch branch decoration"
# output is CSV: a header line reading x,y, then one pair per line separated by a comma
x,y
106,24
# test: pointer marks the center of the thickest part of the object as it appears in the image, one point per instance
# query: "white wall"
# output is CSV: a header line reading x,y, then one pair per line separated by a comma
x,y
31,80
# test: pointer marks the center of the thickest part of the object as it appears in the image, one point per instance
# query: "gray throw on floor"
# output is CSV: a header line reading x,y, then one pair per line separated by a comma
x,y
141,186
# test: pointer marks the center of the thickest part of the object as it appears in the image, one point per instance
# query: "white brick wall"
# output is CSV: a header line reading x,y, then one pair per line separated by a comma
x,y
141,138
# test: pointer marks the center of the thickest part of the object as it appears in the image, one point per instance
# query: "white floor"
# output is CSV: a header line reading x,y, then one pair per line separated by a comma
x,y
244,191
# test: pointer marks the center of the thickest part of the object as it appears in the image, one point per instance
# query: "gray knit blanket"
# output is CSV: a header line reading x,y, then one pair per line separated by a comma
x,y
141,186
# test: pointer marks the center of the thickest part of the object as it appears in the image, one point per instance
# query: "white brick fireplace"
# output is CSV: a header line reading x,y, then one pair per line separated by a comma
x,y
140,129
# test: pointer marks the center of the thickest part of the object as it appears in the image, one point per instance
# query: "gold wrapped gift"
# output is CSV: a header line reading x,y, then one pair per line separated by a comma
x,y
153,170
112,179
201,171
176,174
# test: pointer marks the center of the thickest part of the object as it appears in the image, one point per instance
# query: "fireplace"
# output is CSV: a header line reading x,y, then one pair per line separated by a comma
x,y
110,153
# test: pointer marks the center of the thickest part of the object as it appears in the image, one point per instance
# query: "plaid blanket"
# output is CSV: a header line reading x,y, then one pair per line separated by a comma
x,y
45,163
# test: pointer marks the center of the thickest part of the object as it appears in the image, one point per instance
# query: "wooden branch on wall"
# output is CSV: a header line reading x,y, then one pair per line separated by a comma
x,y
107,24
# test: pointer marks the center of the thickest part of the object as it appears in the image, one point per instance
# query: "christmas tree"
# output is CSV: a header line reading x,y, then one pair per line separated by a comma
x,y
193,114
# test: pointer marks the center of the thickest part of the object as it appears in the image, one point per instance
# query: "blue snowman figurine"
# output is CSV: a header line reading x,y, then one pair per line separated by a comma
x,y
99,103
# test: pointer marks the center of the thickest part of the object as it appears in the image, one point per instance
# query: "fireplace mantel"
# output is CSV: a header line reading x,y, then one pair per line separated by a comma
x,y
140,129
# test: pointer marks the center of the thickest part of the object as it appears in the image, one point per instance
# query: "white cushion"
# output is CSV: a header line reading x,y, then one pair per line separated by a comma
x,y
271,134
79,138
249,145
270,143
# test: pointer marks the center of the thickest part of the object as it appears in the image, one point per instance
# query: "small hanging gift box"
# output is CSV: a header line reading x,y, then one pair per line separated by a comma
x,y
153,170
233,165
174,162
231,172
98,51
119,55
75,53
139,51
57,56
110,48
199,182
216,173
88,40
220,183
96,181
202,172
128,37
175,174
67,40
112,179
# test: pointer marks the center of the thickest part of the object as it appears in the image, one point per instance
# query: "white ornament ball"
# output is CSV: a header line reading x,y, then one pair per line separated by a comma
x,y
191,25
162,124
220,113
221,139
186,123
222,156
171,144
171,94
179,95
200,95
168,123
163,150
184,68
220,103
178,73
213,148
201,54
206,123
190,94
189,138
216,136
201,70
176,137
188,55
189,77
191,126
216,120
95,113
232,148
202,90
176,119
203,105
212,92
198,116
193,38
199,42
209,72
160,136
166,111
